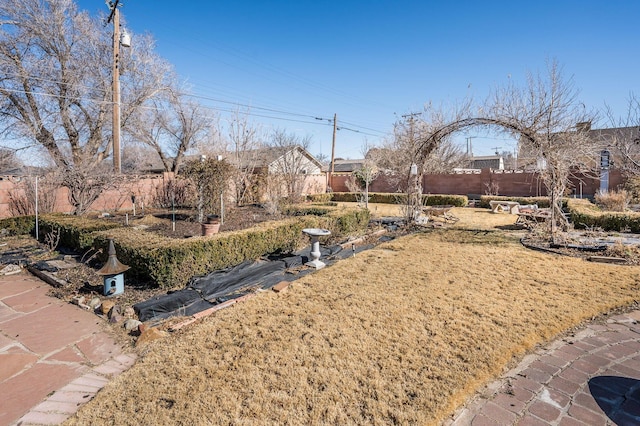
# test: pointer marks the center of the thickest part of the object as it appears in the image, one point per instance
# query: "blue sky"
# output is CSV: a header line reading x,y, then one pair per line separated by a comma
x,y
370,62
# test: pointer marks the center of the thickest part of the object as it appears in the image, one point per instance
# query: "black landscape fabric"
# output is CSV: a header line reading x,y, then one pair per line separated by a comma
x,y
209,290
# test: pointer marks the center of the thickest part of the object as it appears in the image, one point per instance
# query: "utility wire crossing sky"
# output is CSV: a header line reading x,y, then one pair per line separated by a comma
x,y
294,64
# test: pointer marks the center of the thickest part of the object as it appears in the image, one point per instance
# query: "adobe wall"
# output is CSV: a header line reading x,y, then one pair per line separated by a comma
x,y
120,198
113,200
315,184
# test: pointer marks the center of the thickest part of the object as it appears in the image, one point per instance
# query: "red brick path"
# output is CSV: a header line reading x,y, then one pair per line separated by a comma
x,y
53,356
592,378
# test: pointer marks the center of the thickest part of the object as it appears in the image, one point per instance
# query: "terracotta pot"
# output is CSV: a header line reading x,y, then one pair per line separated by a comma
x,y
210,228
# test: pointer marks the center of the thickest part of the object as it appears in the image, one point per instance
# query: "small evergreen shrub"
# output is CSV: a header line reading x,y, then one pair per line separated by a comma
x,y
400,198
445,200
76,232
320,198
18,225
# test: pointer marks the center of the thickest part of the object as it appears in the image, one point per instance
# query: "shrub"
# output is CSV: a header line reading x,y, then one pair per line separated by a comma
x,y
75,232
632,186
585,214
400,198
320,198
22,199
174,192
445,200
346,197
19,225
614,201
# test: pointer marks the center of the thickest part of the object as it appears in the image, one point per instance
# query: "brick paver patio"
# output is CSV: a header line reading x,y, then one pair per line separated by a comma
x,y
591,378
53,356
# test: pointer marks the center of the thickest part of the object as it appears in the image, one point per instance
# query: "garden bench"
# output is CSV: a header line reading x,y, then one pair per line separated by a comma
x,y
501,206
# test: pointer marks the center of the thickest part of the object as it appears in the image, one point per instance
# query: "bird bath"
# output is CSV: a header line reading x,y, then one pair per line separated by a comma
x,y
314,233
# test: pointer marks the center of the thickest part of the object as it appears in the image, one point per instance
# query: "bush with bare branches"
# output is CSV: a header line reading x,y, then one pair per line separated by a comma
x,y
175,192
22,199
614,201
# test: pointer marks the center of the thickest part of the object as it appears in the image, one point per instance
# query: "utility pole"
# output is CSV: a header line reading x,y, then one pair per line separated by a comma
x,y
469,146
414,198
115,17
333,150
411,118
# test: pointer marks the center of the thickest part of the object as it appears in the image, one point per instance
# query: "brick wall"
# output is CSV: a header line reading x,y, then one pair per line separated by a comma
x,y
508,183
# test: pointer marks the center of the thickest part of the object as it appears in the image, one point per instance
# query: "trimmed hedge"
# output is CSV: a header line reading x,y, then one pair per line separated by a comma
x,y
320,198
400,198
76,232
445,200
19,225
170,263
585,214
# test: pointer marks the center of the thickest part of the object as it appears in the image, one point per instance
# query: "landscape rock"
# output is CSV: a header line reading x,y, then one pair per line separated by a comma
x,y
149,335
10,270
106,306
129,312
115,318
115,310
95,302
132,324
79,300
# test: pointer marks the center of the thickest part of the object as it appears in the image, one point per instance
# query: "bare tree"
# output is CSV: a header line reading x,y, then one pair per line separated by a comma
x,y
86,185
137,158
9,161
421,144
418,139
55,87
172,124
624,136
22,199
245,140
363,176
544,115
292,161
323,158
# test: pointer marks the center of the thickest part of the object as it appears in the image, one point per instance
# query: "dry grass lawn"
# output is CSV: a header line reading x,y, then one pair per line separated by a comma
x,y
400,334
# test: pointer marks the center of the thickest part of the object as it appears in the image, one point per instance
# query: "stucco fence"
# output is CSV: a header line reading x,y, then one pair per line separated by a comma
x,y
119,198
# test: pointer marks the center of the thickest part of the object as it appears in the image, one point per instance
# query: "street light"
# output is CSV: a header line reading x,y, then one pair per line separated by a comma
x,y
124,40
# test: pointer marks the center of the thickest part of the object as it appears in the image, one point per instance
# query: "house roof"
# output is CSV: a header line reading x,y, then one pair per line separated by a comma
x,y
346,166
264,157
605,138
258,158
609,136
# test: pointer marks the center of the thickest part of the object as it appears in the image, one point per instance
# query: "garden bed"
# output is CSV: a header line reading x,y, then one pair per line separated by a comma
x,y
184,223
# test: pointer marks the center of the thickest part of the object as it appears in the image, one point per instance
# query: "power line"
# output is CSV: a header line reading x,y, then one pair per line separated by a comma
x,y
278,111
312,119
